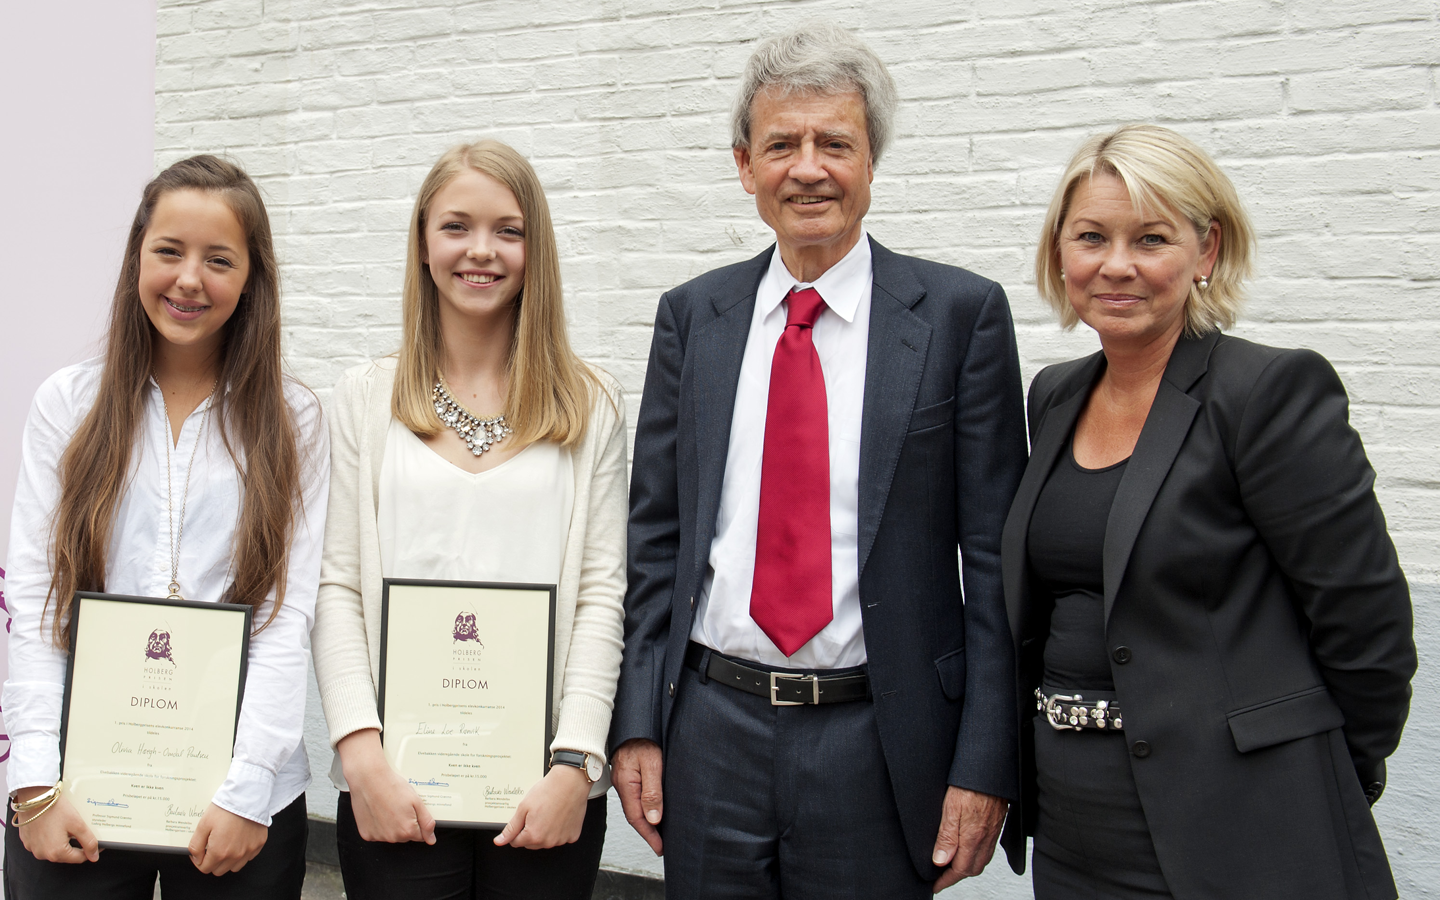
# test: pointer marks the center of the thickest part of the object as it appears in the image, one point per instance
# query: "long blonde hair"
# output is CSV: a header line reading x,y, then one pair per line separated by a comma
x,y
94,467
550,389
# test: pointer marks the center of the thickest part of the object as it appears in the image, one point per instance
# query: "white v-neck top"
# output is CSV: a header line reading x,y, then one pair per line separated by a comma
x,y
509,523
438,521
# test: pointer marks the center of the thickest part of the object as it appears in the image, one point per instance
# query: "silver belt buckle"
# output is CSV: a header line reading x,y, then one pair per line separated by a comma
x,y
775,688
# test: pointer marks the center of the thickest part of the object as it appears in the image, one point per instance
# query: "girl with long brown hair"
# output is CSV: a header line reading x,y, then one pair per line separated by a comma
x,y
522,480
182,461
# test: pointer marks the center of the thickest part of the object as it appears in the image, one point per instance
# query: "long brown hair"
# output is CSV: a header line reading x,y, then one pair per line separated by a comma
x,y
95,466
550,389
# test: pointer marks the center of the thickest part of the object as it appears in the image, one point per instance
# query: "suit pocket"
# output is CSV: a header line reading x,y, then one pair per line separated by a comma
x,y
951,669
932,416
1288,718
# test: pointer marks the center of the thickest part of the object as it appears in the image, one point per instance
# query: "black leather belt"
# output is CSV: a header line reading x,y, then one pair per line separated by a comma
x,y
780,688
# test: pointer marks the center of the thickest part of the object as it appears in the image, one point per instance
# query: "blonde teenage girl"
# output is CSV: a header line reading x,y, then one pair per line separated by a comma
x,y
542,500
182,455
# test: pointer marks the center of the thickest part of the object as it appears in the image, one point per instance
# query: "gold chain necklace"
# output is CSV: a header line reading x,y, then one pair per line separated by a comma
x,y
178,535
478,432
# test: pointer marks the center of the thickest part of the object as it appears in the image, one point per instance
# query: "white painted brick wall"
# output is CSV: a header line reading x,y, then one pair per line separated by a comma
x,y
1323,112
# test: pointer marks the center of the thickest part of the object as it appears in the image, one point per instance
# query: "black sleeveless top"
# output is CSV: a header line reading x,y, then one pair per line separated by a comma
x,y
1066,547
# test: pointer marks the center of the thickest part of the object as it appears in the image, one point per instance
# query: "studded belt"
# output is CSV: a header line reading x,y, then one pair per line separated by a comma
x,y
1073,712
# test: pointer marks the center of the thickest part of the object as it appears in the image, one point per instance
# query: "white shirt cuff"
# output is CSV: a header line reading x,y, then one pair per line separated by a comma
x,y
34,762
246,792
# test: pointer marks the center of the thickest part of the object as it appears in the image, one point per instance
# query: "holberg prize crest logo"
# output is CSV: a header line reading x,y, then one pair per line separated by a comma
x,y
158,647
466,649
465,628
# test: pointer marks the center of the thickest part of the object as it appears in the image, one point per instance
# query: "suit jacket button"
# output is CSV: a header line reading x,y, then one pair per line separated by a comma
x,y
1121,655
692,602
672,688
1141,749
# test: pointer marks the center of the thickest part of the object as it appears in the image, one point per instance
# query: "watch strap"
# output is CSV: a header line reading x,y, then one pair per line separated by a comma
x,y
572,758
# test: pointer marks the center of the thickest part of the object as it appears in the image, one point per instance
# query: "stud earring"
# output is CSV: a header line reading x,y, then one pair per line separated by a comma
x,y
1204,282
1062,274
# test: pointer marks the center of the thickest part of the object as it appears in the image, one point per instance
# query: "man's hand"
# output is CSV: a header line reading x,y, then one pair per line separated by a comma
x,y
386,807
48,837
969,827
224,842
636,768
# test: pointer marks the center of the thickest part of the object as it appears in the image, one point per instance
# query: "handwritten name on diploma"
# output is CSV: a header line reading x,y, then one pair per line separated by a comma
x,y
149,752
503,792
446,728
188,812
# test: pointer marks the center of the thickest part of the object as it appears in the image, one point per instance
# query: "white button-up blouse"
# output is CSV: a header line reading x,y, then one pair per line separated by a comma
x,y
269,768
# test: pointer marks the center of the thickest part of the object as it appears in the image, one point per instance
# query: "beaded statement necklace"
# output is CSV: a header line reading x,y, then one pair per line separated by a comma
x,y
478,432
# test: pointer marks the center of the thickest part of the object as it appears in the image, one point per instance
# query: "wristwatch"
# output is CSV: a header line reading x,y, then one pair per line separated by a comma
x,y
590,766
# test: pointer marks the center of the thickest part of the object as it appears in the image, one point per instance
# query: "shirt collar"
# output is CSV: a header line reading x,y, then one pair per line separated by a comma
x,y
842,285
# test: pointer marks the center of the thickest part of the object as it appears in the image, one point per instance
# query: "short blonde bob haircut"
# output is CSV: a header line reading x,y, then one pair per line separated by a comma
x,y
550,388
1161,169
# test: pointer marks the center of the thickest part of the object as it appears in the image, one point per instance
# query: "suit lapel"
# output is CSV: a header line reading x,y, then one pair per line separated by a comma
x,y
718,349
894,362
1056,425
1160,439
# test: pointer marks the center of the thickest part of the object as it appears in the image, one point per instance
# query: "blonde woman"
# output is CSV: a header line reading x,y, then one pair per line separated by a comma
x,y
1208,611
542,499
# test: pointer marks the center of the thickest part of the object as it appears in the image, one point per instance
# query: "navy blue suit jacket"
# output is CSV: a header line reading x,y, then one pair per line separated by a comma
x,y
942,450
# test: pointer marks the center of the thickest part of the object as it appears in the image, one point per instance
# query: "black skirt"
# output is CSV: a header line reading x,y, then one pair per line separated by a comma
x,y
1091,837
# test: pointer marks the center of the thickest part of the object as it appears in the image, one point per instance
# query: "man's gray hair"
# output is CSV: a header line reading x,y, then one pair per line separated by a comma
x,y
824,59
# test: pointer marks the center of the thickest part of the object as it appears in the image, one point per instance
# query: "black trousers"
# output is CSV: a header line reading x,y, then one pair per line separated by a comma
x,y
766,802
465,864
277,873
1091,838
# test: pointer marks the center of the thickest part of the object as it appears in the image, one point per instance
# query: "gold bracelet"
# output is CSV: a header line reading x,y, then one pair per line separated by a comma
x,y
19,824
38,800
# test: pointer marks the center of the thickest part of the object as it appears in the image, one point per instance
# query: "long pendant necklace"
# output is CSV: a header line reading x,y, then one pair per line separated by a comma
x,y
478,432
178,534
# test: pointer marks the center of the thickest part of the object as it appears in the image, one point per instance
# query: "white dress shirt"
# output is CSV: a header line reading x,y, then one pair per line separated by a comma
x,y
841,336
268,769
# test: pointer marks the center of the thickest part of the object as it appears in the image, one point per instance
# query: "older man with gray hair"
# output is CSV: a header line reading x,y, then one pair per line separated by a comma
x,y
807,707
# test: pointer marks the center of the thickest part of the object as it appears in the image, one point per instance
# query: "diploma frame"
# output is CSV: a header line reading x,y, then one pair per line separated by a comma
x,y
400,706
98,679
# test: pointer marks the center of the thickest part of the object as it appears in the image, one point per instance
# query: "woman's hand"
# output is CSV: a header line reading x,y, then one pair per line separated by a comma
x,y
551,814
224,842
48,837
386,807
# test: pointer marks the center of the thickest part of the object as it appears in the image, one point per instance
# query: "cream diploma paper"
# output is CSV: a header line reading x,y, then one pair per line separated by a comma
x,y
465,694
151,702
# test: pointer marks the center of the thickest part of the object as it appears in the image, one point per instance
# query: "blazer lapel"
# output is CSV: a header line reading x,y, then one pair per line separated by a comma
x,y
718,349
1160,439
894,362
1055,427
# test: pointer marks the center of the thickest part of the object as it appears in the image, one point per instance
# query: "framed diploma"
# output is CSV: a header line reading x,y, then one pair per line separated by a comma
x,y
466,675
152,699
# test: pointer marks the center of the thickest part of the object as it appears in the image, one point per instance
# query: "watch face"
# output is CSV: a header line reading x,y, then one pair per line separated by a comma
x,y
593,768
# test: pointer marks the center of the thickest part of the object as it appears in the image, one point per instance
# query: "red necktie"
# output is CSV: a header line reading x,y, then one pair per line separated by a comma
x,y
791,597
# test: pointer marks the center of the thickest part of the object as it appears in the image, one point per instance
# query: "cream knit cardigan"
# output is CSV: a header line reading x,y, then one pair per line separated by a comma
x,y
589,612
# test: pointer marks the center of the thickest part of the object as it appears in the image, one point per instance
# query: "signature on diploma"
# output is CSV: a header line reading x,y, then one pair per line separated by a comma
x,y
110,802
431,783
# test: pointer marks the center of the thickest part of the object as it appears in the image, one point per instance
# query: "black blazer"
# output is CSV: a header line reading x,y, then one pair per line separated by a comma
x,y
1264,621
942,448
